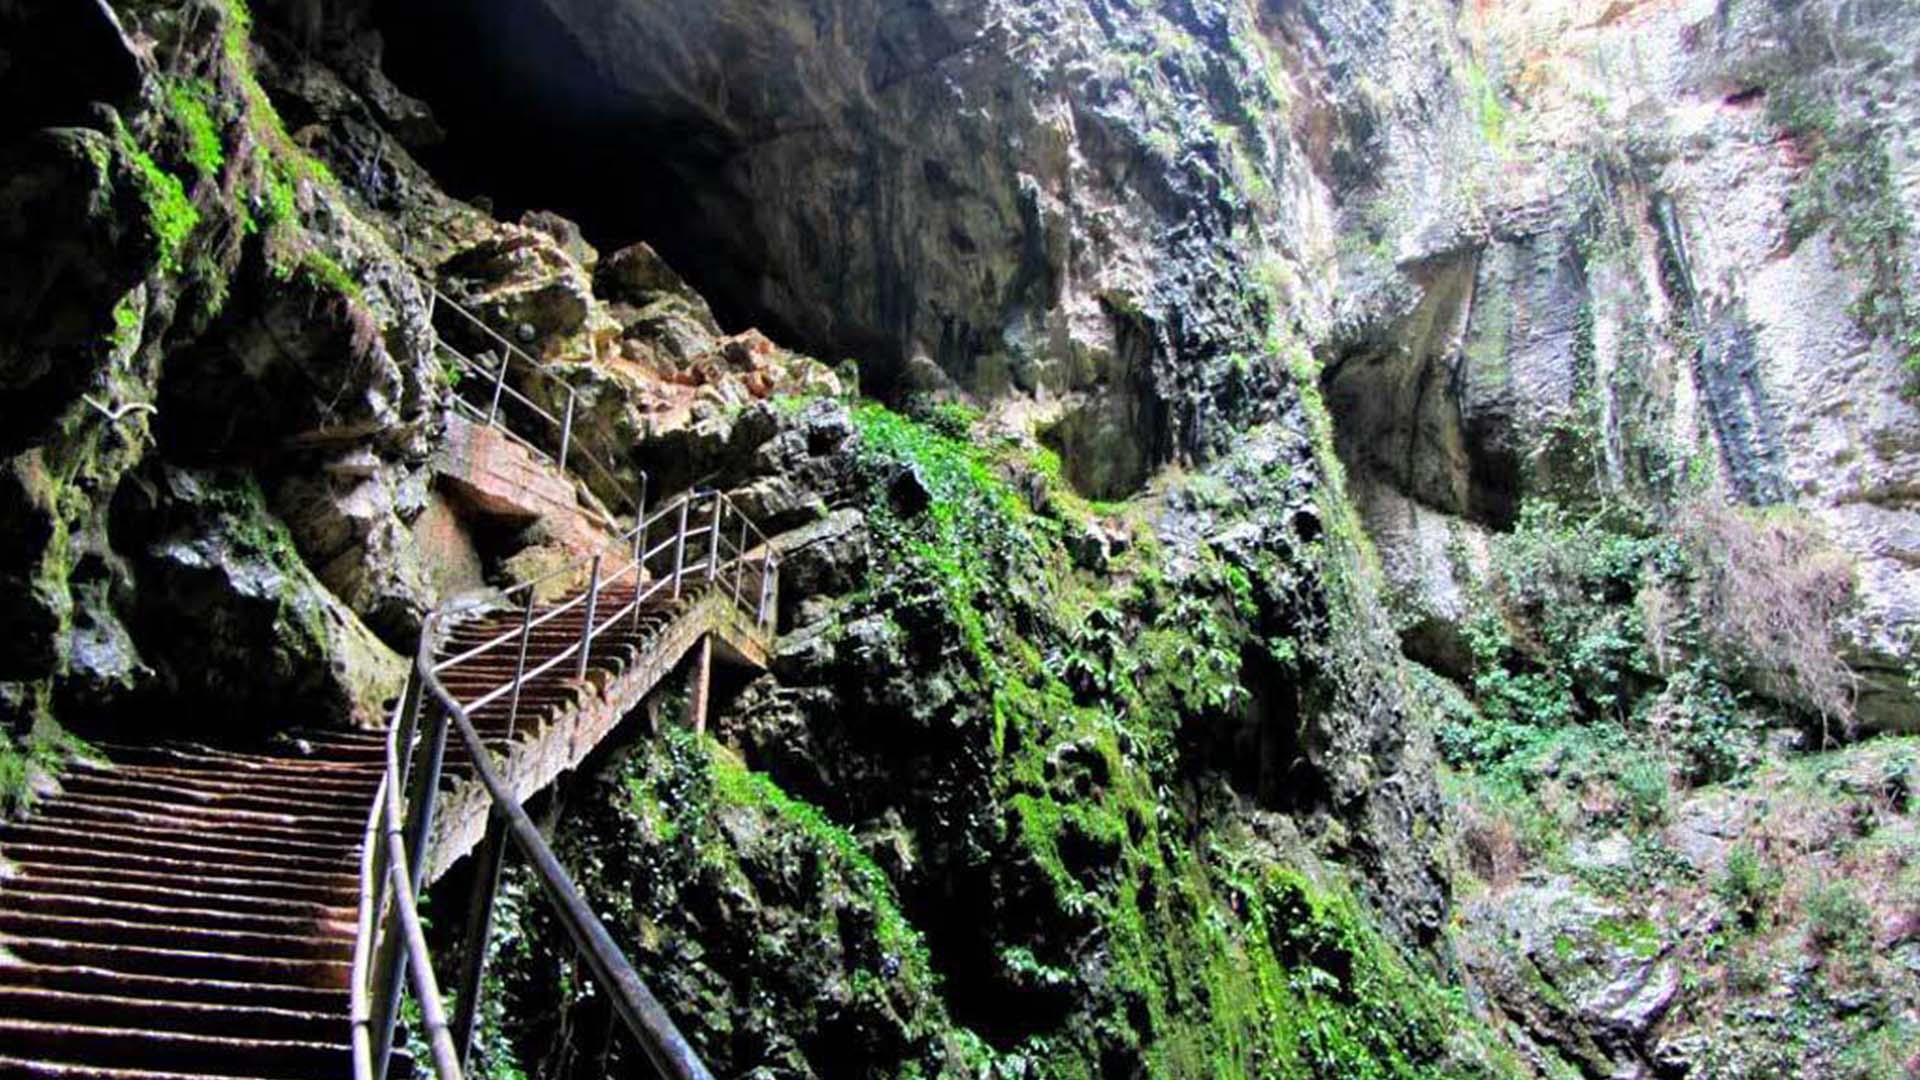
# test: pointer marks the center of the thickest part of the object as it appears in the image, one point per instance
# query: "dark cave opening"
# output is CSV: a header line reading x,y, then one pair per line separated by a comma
x,y
532,124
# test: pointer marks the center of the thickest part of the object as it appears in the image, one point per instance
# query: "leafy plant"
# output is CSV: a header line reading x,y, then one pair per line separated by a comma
x,y
1838,921
1748,885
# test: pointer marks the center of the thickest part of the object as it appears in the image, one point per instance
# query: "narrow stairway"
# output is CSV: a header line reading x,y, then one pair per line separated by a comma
x,y
189,911
186,911
545,695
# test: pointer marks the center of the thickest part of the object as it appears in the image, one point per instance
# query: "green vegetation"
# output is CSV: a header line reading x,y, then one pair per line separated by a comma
x,y
189,101
171,218
900,943
1619,648
1748,885
41,753
1489,109
1236,967
1838,922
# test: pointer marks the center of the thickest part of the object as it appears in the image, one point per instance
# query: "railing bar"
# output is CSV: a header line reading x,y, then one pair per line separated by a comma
x,y
489,331
680,547
626,609
520,663
433,1015
479,932
586,625
740,560
370,853
560,609
714,542
549,664
658,584
496,693
533,405
659,1038
484,647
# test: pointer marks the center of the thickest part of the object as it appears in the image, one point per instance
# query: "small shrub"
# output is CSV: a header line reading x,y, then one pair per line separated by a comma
x,y
1838,922
1748,885
1643,784
1769,591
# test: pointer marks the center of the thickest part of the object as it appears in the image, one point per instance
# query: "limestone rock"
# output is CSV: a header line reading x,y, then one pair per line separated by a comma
x,y
236,624
349,526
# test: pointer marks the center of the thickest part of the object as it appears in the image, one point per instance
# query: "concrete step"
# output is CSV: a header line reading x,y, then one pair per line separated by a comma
x,y
122,1048
105,982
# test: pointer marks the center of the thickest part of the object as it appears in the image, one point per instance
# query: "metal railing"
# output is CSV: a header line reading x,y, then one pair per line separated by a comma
x,y
705,547
485,392
695,546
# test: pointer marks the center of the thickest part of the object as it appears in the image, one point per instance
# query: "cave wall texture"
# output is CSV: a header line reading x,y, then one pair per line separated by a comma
x,y
1220,341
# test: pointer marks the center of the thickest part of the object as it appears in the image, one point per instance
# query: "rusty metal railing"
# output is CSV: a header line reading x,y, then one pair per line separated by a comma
x,y
485,392
695,558
694,546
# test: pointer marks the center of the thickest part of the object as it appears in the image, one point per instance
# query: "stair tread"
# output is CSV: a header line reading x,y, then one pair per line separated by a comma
x,y
58,1070
107,981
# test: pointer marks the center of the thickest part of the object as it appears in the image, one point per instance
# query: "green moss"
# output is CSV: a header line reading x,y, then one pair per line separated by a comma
x,y
1222,965
171,218
127,320
1851,187
1490,111
188,102
42,753
284,175
734,784
300,624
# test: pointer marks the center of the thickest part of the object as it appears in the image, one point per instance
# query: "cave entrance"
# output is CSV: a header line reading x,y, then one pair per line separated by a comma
x,y
531,122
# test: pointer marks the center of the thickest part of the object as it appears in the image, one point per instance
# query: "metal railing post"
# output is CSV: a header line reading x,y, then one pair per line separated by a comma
x,y
680,544
740,562
426,790
586,631
639,552
520,665
420,800
400,756
566,430
499,385
713,538
486,886
409,721
766,591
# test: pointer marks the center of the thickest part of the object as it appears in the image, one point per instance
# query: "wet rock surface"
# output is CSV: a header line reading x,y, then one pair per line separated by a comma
x,y
1087,749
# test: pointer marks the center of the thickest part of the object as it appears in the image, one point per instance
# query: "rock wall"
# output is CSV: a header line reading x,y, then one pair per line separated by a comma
x,y
1688,277
191,320
1088,214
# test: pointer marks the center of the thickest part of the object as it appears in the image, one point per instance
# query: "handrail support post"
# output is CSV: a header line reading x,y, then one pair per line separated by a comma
x,y
639,551
713,537
486,887
520,665
740,561
680,544
586,630
499,387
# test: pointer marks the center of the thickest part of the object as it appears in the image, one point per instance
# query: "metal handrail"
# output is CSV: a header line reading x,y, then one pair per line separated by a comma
x,y
498,378
390,952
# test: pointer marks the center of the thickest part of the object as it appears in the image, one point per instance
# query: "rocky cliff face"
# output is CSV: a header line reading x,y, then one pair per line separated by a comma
x,y
1091,747
1688,277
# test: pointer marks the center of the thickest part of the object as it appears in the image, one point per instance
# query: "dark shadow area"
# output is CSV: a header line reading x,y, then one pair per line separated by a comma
x,y
531,124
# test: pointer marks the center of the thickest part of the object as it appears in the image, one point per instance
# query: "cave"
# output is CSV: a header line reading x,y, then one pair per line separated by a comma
x,y
531,123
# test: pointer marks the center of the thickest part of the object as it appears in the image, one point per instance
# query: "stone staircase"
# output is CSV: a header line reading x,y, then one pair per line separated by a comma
x,y
186,911
248,912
